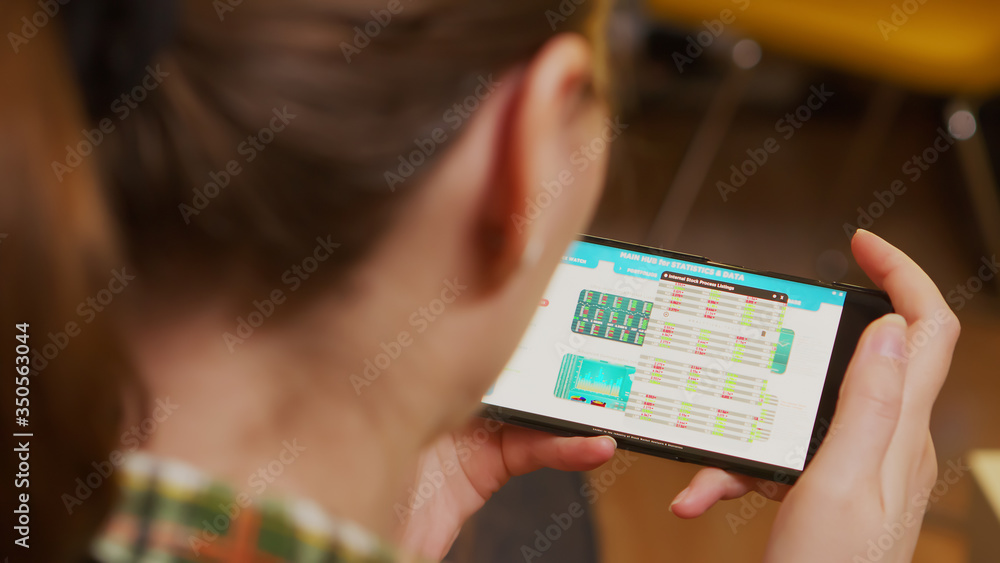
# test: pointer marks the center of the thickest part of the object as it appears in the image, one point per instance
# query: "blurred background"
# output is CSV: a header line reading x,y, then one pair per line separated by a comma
x,y
886,116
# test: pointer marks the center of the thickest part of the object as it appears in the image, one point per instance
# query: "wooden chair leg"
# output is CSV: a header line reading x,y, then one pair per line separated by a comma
x,y
981,185
697,160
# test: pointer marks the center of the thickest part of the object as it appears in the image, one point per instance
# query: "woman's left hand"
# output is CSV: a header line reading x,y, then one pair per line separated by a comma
x,y
458,474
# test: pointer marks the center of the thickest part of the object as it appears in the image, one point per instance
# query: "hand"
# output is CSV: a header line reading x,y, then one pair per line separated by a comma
x,y
461,471
865,492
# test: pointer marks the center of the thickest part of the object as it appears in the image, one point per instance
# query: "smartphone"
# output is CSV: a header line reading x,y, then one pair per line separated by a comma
x,y
680,357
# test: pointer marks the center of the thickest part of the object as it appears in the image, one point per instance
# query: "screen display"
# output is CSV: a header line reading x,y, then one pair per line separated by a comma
x,y
677,353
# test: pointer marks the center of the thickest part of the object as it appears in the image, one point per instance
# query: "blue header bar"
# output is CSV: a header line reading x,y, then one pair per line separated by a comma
x,y
652,267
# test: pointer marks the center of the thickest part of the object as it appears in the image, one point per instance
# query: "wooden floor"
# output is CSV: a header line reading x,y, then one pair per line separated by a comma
x,y
789,217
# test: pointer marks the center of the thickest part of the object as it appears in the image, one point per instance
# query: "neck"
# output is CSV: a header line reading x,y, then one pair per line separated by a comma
x,y
274,418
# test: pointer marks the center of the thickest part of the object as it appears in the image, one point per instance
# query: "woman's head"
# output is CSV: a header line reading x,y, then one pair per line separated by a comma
x,y
401,172
202,177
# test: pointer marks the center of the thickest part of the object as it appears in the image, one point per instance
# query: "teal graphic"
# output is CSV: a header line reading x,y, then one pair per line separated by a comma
x,y
612,317
594,382
783,351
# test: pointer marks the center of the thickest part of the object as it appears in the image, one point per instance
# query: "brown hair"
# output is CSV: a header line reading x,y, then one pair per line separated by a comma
x,y
353,87
57,250
354,122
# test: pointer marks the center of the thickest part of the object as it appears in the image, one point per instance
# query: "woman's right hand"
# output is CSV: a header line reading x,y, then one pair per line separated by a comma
x,y
864,494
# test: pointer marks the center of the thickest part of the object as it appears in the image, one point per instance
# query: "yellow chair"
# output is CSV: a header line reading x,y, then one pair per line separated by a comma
x,y
941,47
984,513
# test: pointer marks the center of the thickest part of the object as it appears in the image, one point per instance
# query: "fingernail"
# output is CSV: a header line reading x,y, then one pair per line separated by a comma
x,y
612,441
890,341
859,231
680,496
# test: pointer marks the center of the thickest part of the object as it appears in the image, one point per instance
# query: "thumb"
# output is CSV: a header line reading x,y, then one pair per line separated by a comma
x,y
525,450
870,403
712,484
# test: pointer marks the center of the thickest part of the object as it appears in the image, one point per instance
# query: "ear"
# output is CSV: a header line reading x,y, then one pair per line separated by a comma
x,y
546,178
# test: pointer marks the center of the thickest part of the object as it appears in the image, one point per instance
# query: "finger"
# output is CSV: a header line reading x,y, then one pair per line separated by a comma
x,y
869,407
711,485
934,328
932,335
525,450
914,295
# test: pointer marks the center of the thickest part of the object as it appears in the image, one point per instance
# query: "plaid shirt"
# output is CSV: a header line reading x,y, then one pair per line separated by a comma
x,y
171,512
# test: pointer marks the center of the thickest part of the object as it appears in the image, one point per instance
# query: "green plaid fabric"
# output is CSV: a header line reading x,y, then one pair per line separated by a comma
x,y
170,512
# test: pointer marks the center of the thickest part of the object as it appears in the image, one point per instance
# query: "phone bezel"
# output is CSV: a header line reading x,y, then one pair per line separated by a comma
x,y
861,306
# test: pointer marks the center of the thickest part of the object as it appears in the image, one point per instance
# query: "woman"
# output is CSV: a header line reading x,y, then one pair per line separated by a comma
x,y
210,260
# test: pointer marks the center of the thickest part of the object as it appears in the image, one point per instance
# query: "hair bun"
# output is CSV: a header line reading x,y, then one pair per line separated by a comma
x,y
112,41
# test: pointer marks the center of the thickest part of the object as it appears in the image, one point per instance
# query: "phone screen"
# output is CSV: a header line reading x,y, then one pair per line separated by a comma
x,y
677,354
